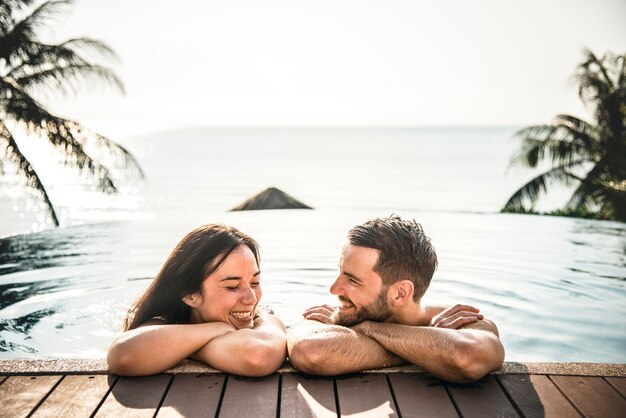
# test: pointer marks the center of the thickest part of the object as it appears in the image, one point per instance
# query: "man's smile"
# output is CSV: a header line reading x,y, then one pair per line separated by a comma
x,y
345,304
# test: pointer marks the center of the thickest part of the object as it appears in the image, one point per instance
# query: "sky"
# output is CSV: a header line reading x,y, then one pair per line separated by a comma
x,y
341,62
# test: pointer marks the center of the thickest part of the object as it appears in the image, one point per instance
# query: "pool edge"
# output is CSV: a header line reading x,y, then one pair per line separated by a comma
x,y
82,366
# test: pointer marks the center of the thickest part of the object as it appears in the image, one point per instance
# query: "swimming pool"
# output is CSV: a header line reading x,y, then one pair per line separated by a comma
x,y
555,286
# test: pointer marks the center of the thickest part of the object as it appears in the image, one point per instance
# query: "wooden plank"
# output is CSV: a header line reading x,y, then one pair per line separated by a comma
x,y
135,397
20,394
592,396
619,383
76,396
307,396
482,399
246,396
536,396
365,395
421,395
193,395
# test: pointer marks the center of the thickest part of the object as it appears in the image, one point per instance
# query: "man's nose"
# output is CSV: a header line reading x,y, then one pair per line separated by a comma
x,y
336,288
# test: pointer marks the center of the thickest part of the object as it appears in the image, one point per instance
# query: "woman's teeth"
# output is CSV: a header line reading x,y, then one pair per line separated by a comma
x,y
241,315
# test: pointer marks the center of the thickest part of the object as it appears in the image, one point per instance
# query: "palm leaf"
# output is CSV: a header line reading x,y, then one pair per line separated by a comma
x,y
539,184
562,142
18,36
26,168
43,56
29,66
58,131
67,79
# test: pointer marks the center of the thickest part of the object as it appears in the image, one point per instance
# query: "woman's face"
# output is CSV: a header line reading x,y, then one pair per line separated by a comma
x,y
231,293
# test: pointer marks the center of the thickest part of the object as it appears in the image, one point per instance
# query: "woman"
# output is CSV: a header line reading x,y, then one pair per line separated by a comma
x,y
203,304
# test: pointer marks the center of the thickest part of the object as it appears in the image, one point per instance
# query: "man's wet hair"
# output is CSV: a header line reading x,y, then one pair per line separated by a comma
x,y
405,251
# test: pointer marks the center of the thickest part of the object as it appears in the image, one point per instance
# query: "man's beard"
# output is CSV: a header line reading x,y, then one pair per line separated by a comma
x,y
377,311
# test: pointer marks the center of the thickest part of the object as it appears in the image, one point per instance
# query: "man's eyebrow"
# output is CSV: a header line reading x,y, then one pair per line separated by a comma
x,y
352,276
239,277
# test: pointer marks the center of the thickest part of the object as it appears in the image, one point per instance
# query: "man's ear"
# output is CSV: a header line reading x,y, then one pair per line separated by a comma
x,y
401,292
193,299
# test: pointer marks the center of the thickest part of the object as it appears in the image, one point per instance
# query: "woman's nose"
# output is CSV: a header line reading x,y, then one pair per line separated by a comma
x,y
249,297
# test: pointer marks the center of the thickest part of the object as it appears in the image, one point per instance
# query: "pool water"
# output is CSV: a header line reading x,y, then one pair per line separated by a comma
x,y
556,287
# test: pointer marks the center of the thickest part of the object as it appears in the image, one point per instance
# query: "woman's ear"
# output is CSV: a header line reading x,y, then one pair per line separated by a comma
x,y
193,299
401,292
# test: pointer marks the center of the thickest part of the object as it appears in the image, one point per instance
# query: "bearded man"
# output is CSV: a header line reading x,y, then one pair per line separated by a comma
x,y
385,269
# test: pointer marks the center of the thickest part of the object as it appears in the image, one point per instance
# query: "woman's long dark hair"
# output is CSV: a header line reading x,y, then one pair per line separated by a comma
x,y
195,257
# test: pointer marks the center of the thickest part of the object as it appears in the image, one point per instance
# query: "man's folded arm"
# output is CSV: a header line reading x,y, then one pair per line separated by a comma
x,y
325,349
462,355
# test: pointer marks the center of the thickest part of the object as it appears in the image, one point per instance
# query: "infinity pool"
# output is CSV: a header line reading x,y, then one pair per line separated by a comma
x,y
556,287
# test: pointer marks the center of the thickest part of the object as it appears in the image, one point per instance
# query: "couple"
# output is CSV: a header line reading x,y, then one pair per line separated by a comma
x,y
203,304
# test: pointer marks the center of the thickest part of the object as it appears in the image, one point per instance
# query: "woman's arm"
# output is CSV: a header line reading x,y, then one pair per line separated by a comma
x,y
248,352
155,347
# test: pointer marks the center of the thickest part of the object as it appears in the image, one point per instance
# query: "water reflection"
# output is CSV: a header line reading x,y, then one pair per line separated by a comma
x,y
21,325
48,249
13,293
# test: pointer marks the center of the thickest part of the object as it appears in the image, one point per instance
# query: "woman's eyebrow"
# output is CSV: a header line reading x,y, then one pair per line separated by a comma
x,y
239,277
230,278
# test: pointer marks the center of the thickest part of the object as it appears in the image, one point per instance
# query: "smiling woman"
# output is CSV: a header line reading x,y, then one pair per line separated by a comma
x,y
203,304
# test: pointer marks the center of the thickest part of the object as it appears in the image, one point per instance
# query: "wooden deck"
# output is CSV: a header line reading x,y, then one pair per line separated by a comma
x,y
290,394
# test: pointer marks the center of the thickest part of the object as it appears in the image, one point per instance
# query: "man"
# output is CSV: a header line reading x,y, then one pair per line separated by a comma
x,y
385,269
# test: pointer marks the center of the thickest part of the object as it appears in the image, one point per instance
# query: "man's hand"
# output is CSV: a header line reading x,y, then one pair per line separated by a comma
x,y
456,316
321,313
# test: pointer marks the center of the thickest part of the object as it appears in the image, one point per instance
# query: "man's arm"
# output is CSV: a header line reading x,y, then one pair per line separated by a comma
x,y
248,352
458,355
325,349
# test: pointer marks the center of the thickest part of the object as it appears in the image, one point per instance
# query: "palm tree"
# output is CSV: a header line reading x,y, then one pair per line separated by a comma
x,y
591,156
31,69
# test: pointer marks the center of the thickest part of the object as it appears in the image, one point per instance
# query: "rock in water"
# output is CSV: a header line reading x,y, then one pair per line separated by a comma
x,y
271,198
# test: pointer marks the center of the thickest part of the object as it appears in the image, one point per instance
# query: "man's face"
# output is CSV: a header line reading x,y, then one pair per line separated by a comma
x,y
362,295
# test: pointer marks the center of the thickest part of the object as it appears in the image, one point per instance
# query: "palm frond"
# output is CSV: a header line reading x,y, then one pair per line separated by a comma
x,y
90,47
599,188
39,56
531,191
562,141
60,133
621,79
594,82
113,147
68,79
27,170
40,17
16,42
8,8
568,141
28,67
